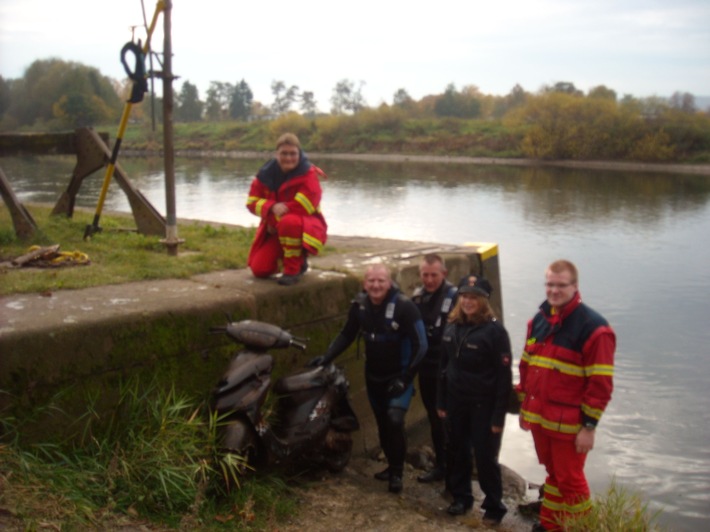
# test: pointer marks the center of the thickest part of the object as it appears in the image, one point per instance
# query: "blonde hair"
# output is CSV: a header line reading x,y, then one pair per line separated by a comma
x,y
483,314
563,265
377,267
288,138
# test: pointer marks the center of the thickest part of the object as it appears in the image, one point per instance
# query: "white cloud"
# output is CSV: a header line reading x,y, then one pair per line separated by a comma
x,y
642,47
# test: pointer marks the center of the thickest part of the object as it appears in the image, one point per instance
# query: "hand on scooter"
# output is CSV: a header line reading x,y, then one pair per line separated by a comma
x,y
320,360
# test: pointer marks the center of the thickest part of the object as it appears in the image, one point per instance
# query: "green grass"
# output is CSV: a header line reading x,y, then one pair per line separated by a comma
x,y
116,255
153,457
617,509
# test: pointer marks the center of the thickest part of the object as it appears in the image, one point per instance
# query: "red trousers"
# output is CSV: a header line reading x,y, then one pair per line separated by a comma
x,y
566,492
285,244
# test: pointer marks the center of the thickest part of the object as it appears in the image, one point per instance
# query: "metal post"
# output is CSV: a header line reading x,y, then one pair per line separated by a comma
x,y
171,237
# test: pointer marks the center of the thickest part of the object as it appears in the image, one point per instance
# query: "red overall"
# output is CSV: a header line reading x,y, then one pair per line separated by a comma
x,y
302,228
566,380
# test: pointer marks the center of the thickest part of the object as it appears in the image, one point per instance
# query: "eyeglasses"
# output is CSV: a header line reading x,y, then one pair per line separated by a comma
x,y
558,285
288,154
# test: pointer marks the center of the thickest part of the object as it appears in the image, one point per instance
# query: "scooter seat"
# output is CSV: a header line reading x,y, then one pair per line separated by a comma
x,y
307,380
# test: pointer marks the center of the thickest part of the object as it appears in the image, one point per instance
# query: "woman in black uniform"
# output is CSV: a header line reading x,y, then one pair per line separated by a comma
x,y
476,382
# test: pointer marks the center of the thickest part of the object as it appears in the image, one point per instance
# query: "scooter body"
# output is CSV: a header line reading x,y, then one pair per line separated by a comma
x,y
310,418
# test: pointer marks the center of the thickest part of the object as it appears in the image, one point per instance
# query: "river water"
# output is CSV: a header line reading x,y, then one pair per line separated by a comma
x,y
640,241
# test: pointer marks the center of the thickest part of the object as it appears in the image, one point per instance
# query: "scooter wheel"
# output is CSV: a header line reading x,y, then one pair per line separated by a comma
x,y
338,456
335,463
240,438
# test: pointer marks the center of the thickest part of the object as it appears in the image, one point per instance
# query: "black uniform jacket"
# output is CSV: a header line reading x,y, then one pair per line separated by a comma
x,y
476,366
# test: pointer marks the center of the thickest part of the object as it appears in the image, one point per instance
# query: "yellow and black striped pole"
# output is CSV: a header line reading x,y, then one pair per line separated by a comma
x,y
139,87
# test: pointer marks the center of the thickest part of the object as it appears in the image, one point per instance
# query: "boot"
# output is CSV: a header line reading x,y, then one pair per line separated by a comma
x,y
395,485
383,475
435,475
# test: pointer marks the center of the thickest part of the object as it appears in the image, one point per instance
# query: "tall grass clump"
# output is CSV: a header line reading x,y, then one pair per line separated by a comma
x,y
617,509
153,456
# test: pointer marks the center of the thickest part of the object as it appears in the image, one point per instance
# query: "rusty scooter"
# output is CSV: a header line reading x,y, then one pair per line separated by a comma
x,y
310,420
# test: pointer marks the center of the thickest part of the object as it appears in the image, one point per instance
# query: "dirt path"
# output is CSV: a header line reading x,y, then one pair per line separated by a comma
x,y
354,500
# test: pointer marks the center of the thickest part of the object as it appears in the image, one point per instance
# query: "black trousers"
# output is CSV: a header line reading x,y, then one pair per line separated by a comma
x,y
470,426
389,414
428,381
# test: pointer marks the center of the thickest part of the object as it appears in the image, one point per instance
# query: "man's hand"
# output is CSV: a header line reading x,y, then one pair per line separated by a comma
x,y
279,209
585,440
396,387
523,424
316,361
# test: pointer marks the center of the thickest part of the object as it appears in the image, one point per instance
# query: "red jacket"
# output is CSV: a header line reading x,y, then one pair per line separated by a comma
x,y
301,193
567,369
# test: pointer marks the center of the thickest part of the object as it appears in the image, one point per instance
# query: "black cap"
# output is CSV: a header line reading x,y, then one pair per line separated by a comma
x,y
471,284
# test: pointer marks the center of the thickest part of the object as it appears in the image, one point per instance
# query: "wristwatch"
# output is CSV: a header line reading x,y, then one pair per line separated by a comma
x,y
589,425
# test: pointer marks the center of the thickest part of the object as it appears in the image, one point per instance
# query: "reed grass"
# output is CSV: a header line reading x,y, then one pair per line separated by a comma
x,y
617,509
152,458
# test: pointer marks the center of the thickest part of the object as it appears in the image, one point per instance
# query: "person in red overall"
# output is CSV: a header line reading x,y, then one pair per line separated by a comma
x,y
566,381
286,195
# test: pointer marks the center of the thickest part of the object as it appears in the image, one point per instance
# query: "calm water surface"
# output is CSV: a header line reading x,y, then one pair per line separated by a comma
x,y
640,240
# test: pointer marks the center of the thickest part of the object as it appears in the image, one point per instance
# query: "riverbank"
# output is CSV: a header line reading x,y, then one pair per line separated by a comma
x,y
103,334
691,169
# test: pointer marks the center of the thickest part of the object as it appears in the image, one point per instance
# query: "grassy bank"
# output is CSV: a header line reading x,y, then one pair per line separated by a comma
x,y
372,131
116,254
151,464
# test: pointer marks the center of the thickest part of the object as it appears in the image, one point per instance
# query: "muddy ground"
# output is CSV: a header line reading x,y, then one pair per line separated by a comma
x,y
355,500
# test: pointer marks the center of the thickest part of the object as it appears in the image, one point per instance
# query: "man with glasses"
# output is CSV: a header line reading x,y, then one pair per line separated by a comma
x,y
286,195
566,381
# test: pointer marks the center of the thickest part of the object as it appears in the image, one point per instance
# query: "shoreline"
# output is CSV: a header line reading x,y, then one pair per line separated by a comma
x,y
691,169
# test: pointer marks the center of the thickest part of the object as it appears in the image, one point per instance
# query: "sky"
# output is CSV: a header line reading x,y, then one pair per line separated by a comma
x,y
638,47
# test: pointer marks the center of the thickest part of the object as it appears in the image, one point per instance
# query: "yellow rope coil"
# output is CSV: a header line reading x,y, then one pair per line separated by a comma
x,y
60,258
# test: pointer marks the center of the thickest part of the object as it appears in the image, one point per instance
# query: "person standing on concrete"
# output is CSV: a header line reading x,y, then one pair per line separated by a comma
x,y
474,391
434,299
395,344
566,381
285,195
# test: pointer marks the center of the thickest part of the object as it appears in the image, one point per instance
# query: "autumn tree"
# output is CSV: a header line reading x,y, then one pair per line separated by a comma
x,y
402,99
4,96
241,101
561,125
563,87
456,104
347,98
684,102
515,98
60,94
284,97
308,104
217,103
188,106
601,91
80,110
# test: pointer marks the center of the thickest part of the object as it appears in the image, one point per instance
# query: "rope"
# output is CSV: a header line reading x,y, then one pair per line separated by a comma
x,y
58,259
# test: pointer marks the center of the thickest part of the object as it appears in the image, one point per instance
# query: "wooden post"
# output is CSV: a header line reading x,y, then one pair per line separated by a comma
x,y
25,226
171,234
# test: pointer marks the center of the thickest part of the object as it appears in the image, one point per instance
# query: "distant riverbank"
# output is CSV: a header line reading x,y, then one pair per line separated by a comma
x,y
697,169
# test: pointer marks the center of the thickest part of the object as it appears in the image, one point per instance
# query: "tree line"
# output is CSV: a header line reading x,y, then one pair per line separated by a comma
x,y
557,122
